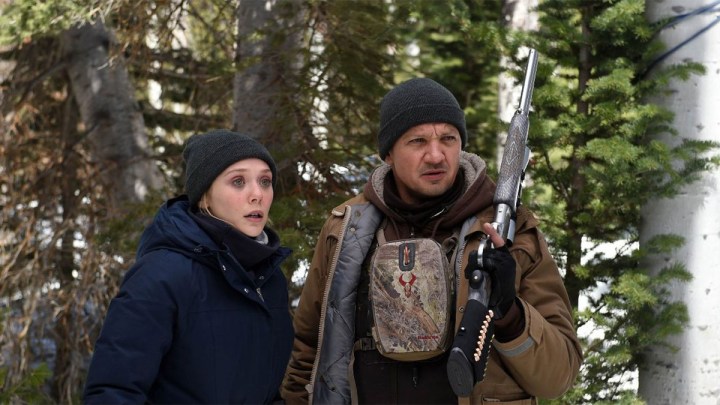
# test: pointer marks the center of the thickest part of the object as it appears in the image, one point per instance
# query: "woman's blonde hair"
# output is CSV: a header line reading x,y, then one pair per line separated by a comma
x,y
204,207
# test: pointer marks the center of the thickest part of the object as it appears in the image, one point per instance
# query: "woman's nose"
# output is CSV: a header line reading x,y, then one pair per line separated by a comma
x,y
256,194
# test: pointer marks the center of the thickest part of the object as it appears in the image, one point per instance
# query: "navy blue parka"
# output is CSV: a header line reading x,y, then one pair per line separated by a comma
x,y
190,325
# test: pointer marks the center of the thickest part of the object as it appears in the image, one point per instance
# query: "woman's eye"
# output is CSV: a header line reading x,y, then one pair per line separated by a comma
x,y
266,182
239,182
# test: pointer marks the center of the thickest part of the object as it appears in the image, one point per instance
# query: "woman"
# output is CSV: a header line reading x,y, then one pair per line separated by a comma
x,y
203,315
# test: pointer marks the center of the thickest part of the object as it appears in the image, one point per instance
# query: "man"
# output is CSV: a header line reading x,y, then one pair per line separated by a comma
x,y
428,188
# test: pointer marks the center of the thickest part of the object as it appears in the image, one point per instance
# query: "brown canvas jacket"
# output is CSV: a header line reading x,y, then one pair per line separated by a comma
x,y
542,362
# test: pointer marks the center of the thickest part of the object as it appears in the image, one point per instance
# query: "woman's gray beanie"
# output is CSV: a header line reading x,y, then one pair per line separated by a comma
x,y
414,102
208,155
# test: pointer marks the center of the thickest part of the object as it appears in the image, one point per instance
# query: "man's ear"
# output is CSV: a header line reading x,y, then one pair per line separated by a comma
x,y
389,159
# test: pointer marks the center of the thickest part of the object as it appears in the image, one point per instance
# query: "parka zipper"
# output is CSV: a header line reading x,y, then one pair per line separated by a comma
x,y
260,294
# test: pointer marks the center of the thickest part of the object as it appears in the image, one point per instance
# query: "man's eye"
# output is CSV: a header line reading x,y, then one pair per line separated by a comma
x,y
417,140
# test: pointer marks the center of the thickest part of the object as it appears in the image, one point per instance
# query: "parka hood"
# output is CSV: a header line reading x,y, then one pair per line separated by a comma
x,y
173,228
477,193
472,165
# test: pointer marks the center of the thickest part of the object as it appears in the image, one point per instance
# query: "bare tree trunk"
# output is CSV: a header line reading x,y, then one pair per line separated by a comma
x,y
577,193
269,37
690,374
112,118
257,84
63,382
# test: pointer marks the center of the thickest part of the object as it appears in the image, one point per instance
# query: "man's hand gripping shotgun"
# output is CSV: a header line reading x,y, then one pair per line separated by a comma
x,y
471,348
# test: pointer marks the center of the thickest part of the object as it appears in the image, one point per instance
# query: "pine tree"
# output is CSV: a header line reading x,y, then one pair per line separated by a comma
x,y
456,43
595,164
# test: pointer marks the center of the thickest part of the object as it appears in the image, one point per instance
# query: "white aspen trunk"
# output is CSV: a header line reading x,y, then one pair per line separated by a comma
x,y
518,15
690,375
112,118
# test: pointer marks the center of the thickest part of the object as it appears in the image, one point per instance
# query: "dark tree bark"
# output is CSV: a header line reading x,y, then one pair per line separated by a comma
x,y
113,121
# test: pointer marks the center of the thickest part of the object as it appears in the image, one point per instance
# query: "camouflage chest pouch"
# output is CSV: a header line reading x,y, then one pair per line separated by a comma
x,y
411,298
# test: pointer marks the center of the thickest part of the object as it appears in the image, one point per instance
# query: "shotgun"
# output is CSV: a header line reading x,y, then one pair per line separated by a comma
x,y
470,352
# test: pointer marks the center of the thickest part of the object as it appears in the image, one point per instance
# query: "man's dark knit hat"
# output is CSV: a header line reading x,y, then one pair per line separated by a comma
x,y
414,102
209,154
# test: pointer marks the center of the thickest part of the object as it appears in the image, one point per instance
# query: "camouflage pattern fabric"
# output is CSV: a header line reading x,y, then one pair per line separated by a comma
x,y
410,298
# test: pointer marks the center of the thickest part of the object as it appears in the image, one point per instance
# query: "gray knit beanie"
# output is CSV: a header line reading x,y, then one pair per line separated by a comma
x,y
414,102
209,154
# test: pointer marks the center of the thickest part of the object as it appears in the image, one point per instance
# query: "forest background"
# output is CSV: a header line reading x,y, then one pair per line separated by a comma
x,y
98,97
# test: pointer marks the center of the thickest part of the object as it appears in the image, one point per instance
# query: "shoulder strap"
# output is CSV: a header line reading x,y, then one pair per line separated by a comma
x,y
380,235
457,256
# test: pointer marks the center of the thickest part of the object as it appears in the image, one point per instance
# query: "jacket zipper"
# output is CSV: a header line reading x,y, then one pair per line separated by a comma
x,y
260,294
323,310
